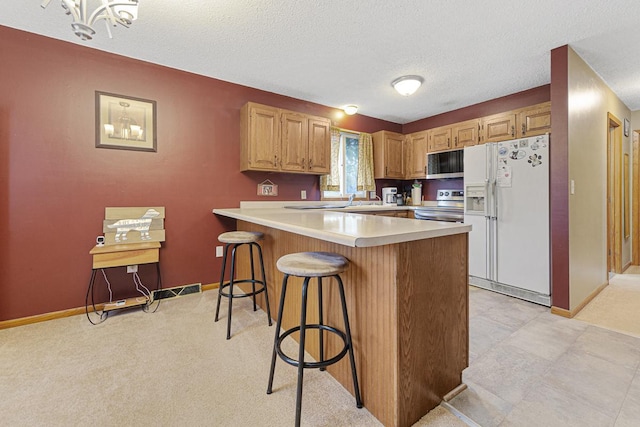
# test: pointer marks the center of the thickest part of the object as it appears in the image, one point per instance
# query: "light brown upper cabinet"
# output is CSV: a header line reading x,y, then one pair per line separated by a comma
x,y
465,134
319,154
294,145
534,120
521,123
259,138
416,147
498,127
388,155
272,139
440,138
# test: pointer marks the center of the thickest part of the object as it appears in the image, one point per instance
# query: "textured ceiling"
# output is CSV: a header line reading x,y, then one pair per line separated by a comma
x,y
337,52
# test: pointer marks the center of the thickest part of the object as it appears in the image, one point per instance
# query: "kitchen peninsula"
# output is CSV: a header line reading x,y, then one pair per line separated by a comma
x,y
407,298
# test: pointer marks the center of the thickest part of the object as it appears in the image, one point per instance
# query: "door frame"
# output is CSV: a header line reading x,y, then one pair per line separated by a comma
x,y
614,194
635,206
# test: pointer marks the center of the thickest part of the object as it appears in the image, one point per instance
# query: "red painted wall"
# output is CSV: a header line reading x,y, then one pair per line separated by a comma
x,y
499,105
55,184
559,178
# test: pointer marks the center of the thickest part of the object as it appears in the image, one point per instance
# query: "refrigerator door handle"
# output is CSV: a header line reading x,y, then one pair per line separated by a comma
x,y
491,200
494,249
488,261
487,200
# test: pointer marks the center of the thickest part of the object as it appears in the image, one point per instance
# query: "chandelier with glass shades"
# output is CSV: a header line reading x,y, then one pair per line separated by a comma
x,y
121,12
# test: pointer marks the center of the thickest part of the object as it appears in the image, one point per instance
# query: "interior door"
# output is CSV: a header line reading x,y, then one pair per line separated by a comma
x,y
614,195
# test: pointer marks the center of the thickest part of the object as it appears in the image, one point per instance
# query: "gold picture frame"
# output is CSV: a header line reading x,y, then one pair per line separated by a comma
x,y
125,122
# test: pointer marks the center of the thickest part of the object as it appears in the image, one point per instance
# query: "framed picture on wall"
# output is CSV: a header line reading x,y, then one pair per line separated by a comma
x,y
125,123
626,127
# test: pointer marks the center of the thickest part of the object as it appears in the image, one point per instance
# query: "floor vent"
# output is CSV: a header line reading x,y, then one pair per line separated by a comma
x,y
178,291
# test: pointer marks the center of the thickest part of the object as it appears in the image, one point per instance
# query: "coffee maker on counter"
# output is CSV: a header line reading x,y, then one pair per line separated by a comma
x,y
389,195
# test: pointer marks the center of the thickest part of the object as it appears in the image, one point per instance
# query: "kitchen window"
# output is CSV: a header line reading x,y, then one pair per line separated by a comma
x,y
345,153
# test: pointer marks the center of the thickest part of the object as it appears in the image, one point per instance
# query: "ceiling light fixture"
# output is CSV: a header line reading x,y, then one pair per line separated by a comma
x,y
350,110
121,12
407,85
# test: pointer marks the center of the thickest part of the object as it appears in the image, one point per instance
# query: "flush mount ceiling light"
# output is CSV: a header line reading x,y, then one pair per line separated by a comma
x,y
350,110
121,12
407,85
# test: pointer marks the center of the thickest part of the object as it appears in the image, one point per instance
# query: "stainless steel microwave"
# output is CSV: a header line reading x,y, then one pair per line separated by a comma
x,y
445,164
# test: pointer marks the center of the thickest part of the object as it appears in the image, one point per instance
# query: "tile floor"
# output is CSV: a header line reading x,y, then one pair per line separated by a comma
x,y
529,367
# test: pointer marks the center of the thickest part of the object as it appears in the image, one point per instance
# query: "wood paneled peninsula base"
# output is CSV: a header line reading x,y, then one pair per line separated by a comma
x,y
407,303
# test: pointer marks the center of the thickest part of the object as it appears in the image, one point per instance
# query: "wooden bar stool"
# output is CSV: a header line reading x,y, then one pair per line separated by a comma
x,y
308,265
233,240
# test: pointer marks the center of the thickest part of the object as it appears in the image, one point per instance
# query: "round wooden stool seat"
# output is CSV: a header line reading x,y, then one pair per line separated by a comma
x,y
312,264
240,237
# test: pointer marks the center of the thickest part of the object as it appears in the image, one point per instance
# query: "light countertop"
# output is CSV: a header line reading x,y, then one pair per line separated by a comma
x,y
341,226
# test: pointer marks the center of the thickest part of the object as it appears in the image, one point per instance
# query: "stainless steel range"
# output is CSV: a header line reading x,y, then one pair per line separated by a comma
x,y
449,207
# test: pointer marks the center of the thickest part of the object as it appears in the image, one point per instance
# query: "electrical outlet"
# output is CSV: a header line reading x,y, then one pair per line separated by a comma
x,y
218,251
303,194
132,268
372,194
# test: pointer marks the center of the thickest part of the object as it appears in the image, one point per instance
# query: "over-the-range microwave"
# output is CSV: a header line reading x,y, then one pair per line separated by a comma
x,y
445,164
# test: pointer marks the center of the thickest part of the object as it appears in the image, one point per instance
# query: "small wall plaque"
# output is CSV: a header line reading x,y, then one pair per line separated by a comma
x,y
267,188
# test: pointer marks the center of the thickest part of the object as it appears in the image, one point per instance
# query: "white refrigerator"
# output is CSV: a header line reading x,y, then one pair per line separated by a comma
x,y
507,203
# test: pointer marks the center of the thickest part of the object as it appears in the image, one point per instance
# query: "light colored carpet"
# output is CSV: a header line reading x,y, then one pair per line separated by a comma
x,y
173,367
617,306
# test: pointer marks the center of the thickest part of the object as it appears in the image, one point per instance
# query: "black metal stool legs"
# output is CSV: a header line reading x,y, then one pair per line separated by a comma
x,y
233,281
224,265
303,326
253,278
356,388
322,363
320,331
264,281
278,325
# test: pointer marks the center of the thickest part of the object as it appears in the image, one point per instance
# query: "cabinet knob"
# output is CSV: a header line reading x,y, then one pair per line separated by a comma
x,y
455,141
310,164
275,160
524,129
302,163
513,130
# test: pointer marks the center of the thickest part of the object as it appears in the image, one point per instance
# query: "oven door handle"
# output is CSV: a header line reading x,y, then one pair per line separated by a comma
x,y
437,217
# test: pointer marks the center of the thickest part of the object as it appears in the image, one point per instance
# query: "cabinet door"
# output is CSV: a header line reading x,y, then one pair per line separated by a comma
x,y
465,134
394,156
295,142
416,147
319,161
535,120
260,138
440,139
388,155
499,127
